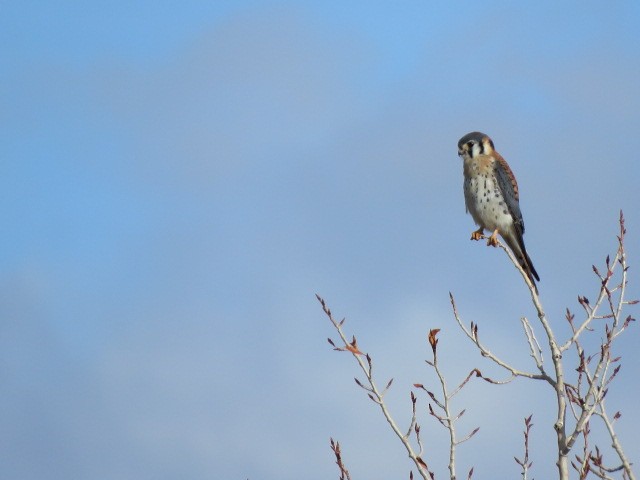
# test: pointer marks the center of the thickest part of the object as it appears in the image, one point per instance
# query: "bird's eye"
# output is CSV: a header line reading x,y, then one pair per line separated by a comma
x,y
470,144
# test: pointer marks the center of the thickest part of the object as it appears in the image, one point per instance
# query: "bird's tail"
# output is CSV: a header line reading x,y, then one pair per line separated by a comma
x,y
524,260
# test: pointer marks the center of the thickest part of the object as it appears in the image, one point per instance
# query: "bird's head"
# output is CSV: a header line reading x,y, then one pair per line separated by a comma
x,y
474,144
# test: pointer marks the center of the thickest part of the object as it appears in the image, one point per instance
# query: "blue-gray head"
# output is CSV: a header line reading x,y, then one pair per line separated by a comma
x,y
474,144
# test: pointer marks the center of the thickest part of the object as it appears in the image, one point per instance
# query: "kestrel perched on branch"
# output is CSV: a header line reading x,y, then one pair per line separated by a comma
x,y
491,197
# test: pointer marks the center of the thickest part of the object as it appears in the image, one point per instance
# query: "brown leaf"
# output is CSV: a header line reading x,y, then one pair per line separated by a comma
x,y
433,341
354,350
353,347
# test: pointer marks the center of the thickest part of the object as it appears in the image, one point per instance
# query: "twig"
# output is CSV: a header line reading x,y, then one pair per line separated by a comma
x,y
446,419
344,473
374,393
472,334
525,463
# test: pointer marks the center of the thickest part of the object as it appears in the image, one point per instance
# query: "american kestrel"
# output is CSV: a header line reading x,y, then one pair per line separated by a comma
x,y
491,197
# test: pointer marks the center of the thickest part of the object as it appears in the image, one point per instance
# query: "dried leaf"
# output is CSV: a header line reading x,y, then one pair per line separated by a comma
x,y
433,341
353,347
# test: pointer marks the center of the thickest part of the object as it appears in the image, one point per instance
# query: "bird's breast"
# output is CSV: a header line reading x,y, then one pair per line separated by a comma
x,y
484,198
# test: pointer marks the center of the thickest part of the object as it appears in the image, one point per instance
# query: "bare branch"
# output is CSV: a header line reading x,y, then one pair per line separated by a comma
x,y
534,347
375,394
472,334
583,391
344,473
525,463
447,420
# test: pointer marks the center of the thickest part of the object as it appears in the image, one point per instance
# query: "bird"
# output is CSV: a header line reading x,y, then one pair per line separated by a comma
x,y
491,197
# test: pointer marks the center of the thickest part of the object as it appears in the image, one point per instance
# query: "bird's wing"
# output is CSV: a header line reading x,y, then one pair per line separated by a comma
x,y
509,187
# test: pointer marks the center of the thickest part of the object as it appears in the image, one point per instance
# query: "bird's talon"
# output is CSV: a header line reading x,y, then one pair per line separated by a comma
x,y
493,239
477,235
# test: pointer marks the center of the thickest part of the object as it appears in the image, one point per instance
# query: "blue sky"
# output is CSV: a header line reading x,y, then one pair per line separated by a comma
x,y
179,180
